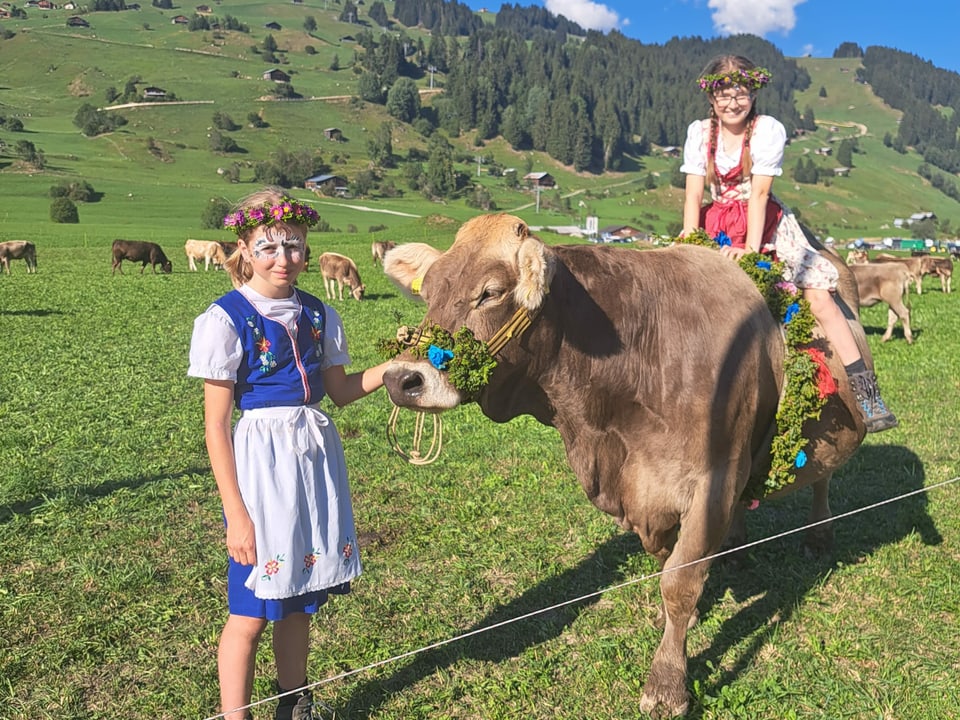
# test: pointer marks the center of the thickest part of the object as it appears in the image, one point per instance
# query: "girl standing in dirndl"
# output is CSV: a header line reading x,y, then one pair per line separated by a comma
x,y
273,352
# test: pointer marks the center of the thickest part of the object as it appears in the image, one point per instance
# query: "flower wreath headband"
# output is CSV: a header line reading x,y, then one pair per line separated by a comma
x,y
286,210
753,79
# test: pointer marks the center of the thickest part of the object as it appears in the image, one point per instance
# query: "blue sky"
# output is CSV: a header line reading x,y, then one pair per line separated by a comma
x,y
927,28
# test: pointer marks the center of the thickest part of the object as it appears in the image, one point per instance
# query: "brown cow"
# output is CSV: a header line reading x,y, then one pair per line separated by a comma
x,y
210,251
943,267
857,257
379,249
886,282
917,266
629,352
139,251
15,250
340,270
229,247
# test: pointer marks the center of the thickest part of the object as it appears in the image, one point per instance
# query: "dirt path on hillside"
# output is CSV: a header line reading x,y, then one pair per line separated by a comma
x,y
861,128
364,208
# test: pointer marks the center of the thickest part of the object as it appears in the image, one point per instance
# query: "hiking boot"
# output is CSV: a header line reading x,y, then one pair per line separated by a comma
x,y
875,414
295,707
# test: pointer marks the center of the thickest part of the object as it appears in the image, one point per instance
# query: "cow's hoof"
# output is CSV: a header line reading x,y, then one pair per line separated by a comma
x,y
664,705
818,542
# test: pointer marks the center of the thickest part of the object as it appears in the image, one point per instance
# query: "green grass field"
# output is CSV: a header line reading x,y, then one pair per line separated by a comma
x,y
111,544
111,547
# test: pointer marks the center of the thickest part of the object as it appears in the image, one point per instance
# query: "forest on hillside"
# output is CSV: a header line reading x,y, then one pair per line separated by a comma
x,y
587,98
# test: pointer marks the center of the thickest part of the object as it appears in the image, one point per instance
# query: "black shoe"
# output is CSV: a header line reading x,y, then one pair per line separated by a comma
x,y
875,414
295,707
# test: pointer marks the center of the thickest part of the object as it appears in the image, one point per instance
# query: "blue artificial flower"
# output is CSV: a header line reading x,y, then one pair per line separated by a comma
x,y
439,357
792,309
723,239
801,459
763,264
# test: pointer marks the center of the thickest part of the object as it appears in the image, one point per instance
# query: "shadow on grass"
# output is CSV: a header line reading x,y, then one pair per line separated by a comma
x,y
777,572
82,495
31,313
897,332
599,570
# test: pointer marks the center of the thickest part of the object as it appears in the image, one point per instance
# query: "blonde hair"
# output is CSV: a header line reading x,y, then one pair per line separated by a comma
x,y
723,64
239,268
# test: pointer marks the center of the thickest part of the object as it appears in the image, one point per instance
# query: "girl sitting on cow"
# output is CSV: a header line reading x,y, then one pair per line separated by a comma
x,y
738,153
273,351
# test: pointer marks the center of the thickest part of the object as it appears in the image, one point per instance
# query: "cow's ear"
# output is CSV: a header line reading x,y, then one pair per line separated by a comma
x,y
406,265
536,264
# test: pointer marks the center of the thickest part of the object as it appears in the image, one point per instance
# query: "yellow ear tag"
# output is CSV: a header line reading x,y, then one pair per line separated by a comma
x,y
415,285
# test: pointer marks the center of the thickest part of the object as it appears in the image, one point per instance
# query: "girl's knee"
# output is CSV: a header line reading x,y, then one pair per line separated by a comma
x,y
243,626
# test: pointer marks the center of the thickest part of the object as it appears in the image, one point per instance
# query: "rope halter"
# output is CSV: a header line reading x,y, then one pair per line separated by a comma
x,y
513,328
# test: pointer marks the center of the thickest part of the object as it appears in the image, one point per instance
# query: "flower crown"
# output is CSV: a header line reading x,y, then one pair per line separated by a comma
x,y
753,79
287,210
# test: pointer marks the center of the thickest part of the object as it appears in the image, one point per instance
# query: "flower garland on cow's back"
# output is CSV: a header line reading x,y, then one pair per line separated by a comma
x,y
807,379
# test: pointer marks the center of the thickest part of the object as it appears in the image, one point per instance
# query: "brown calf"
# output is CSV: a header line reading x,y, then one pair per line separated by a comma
x,y
379,249
885,282
857,257
142,252
341,270
15,250
943,267
210,251
917,266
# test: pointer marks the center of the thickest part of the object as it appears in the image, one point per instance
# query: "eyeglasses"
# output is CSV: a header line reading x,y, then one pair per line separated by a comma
x,y
740,97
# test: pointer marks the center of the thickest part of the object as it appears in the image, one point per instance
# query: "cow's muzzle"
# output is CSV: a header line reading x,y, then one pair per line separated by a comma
x,y
420,386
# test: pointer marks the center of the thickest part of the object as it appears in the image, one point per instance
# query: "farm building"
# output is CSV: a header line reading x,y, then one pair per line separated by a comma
x,y
77,21
334,134
540,179
276,75
327,184
621,234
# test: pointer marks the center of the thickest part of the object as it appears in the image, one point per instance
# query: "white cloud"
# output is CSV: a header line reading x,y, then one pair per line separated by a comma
x,y
757,17
587,14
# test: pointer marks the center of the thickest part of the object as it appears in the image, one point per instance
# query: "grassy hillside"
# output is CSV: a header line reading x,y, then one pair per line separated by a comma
x,y
156,172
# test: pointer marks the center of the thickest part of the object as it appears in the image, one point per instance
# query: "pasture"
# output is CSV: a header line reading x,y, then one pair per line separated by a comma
x,y
111,544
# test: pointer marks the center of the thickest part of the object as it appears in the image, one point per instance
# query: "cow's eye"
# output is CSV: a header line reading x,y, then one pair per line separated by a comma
x,y
489,294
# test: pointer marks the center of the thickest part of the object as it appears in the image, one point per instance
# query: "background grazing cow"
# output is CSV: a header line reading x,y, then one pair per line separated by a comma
x,y
917,266
229,247
379,249
210,251
340,270
15,250
141,252
660,369
944,270
886,282
857,256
